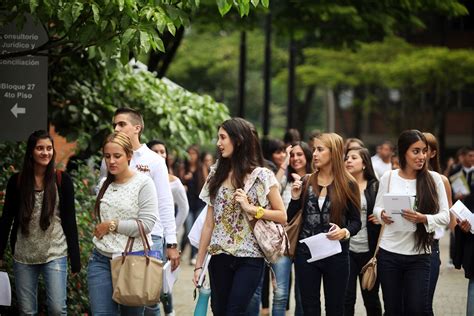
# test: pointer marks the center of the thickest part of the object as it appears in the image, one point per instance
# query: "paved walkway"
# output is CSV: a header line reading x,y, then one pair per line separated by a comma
x,y
450,295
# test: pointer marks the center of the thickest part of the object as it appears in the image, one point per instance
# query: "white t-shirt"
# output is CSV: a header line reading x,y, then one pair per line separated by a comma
x,y
380,167
404,242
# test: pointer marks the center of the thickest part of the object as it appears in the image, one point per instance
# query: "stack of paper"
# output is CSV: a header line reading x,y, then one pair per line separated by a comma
x,y
394,205
321,247
169,277
462,212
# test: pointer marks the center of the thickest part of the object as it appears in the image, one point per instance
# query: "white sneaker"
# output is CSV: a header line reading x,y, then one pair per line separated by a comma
x,y
171,314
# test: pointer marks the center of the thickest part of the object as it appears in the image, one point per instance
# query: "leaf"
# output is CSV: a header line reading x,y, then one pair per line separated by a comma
x,y
33,5
76,10
127,36
224,6
171,28
255,2
95,10
121,4
266,3
144,41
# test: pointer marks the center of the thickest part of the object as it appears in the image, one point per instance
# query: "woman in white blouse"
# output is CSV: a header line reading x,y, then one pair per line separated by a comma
x,y
404,256
124,196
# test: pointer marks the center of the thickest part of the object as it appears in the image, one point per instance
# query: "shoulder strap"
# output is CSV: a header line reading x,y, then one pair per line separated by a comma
x,y
59,178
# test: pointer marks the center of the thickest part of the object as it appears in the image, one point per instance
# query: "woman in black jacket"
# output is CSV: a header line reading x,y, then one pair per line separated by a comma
x,y
39,203
332,207
362,246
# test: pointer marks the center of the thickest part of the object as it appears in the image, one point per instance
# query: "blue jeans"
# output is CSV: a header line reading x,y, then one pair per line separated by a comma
x,y
233,283
55,279
405,282
99,281
435,262
371,298
334,272
470,298
282,269
154,310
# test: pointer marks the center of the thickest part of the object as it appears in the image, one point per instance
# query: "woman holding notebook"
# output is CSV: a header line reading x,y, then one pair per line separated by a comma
x,y
331,206
405,245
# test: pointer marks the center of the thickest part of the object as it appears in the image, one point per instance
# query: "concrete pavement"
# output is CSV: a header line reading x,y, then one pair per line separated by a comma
x,y
450,295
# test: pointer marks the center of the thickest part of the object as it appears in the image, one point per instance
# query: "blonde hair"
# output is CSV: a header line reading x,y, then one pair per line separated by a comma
x,y
345,189
123,141
434,146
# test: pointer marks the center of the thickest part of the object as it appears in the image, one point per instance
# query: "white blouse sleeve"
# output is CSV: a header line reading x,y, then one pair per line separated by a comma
x,y
181,201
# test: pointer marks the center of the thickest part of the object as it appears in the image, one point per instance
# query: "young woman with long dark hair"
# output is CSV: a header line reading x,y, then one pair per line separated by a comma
x,y
39,202
332,206
125,196
404,256
237,263
362,246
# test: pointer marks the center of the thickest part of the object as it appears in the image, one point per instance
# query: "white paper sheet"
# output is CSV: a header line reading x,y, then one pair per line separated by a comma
x,y
169,277
5,289
195,232
321,247
394,205
462,212
205,265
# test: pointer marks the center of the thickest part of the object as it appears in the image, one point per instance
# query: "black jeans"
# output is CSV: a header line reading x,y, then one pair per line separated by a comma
x,y
334,272
233,283
405,283
435,262
371,298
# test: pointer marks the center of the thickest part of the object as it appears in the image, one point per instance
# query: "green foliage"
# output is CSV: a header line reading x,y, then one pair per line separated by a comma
x,y
85,181
114,27
84,102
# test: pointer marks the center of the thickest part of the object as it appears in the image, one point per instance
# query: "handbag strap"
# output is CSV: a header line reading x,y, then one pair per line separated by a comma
x,y
383,225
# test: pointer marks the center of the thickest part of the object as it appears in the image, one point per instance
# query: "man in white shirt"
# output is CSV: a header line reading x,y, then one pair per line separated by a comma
x,y
382,161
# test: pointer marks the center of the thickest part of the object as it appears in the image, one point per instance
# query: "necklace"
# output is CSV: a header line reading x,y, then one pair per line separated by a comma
x,y
325,185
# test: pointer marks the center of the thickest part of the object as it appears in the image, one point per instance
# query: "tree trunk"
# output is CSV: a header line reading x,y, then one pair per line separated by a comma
x,y
242,73
160,61
291,82
267,74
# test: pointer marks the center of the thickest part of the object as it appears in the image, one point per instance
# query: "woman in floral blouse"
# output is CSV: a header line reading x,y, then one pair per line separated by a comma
x,y
237,262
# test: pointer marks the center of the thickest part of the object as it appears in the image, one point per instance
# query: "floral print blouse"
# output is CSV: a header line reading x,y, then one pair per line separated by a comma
x,y
232,234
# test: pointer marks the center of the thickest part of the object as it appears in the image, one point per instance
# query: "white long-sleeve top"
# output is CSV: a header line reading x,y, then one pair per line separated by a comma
x,y
404,242
180,200
148,162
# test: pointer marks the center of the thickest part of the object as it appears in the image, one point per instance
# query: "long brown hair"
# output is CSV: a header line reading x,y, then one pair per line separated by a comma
x,y
426,194
344,190
27,185
247,155
123,141
433,145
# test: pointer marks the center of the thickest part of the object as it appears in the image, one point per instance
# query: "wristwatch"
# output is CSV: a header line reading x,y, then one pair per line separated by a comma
x,y
259,213
112,226
172,246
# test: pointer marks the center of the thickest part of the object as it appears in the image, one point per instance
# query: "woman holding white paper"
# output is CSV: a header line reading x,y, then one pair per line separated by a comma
x,y
404,256
362,246
332,207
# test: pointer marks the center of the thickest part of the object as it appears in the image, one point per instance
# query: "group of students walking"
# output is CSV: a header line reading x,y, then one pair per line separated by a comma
x,y
334,185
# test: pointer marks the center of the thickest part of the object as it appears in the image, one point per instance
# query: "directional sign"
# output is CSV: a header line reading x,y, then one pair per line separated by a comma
x,y
23,81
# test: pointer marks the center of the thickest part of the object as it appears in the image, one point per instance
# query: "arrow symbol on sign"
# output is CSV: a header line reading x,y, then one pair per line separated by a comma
x,y
16,110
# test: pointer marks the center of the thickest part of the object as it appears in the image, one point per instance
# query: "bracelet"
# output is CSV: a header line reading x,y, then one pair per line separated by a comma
x,y
260,212
197,269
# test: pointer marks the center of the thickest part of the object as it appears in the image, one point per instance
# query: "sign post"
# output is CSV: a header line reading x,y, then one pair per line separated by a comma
x,y
23,82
